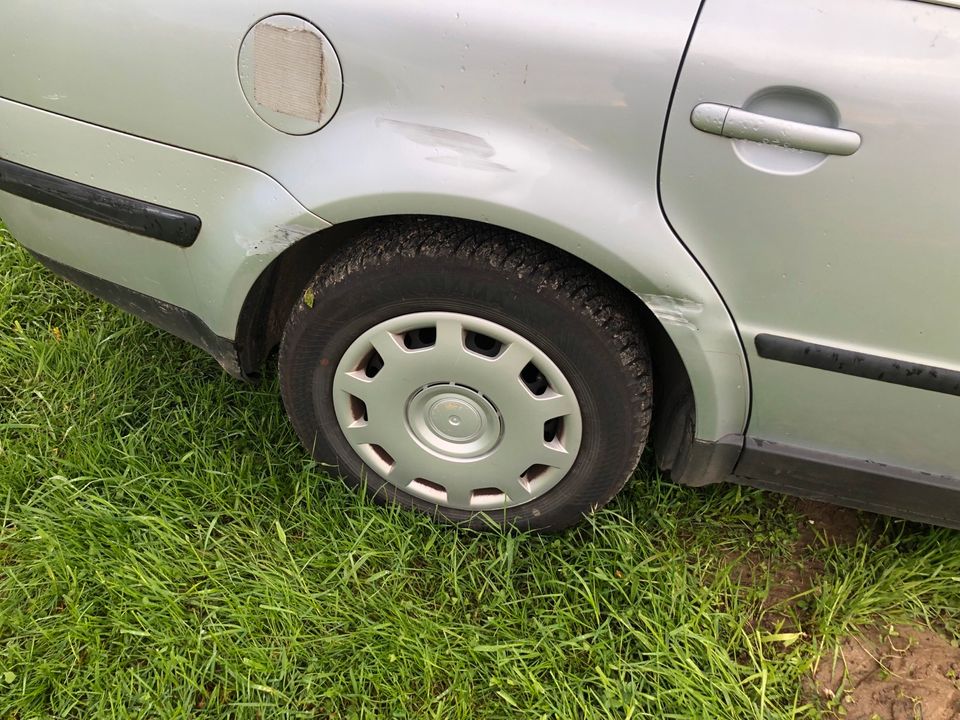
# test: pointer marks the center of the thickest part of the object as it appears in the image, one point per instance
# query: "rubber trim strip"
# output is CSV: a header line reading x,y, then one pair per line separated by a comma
x,y
851,362
108,208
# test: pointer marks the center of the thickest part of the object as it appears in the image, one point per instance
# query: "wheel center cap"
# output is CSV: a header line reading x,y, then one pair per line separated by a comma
x,y
455,419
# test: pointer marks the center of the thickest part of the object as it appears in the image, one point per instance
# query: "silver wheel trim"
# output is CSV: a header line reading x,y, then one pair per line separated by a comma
x,y
450,425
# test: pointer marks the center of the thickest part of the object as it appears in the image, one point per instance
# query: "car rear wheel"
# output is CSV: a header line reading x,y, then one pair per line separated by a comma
x,y
469,373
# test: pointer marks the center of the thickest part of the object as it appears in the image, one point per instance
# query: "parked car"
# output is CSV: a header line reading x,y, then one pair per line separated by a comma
x,y
501,246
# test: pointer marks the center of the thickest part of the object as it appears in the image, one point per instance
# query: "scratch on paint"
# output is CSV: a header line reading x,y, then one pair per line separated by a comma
x,y
674,311
283,236
463,149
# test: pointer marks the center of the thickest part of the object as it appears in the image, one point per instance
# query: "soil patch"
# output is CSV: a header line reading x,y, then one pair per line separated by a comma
x,y
897,673
791,580
832,523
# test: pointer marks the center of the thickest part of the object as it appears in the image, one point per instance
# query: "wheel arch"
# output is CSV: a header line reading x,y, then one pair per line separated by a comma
x,y
678,366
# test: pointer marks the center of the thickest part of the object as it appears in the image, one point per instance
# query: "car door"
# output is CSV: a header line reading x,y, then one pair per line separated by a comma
x,y
841,262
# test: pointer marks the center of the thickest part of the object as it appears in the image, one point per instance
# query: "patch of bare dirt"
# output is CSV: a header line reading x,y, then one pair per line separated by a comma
x,y
784,607
793,578
831,523
898,673
788,581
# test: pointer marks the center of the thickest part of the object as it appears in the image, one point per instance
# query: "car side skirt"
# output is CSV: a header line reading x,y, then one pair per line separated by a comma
x,y
168,317
108,208
861,484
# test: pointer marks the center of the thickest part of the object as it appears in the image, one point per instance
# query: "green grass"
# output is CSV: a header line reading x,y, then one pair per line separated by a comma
x,y
167,550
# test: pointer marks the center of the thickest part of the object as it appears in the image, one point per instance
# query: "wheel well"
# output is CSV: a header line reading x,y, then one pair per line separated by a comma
x,y
270,300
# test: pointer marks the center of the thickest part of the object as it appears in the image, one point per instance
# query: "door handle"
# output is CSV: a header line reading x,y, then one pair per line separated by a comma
x,y
737,124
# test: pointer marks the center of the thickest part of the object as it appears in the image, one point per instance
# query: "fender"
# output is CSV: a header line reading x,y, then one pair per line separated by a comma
x,y
630,242
540,117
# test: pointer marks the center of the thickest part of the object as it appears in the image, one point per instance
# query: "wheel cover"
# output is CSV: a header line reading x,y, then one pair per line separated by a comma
x,y
457,411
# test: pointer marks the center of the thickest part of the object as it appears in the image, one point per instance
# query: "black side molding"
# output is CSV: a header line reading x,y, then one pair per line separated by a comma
x,y
840,480
850,362
108,208
175,320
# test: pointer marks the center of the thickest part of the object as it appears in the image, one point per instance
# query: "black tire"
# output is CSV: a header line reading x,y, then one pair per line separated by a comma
x,y
580,319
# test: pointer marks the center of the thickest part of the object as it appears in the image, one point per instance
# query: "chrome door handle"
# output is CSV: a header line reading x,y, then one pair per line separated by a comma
x,y
732,122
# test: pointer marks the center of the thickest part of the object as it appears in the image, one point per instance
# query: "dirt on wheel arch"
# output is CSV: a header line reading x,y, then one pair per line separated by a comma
x,y
896,673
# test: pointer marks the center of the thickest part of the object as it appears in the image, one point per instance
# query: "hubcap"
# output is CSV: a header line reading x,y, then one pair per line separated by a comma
x,y
458,411
453,421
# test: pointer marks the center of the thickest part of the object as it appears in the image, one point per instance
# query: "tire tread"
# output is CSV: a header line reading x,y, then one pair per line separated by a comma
x,y
603,303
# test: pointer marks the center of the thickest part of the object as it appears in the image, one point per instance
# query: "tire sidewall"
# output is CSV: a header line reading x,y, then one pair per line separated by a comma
x,y
345,307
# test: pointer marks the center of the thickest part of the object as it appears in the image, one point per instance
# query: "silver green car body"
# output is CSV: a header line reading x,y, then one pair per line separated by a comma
x,y
568,122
